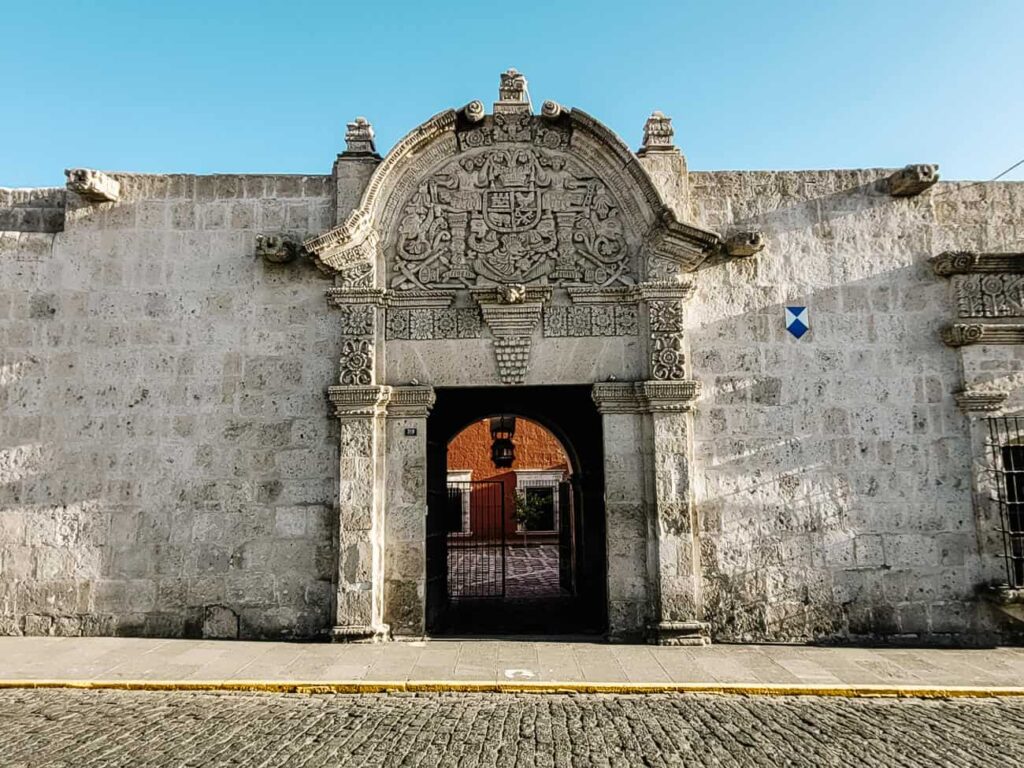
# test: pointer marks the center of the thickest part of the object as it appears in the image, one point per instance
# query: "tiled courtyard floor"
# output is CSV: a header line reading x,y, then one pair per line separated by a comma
x,y
530,572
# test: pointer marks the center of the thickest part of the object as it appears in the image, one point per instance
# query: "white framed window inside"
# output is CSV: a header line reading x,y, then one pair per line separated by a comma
x,y
460,479
542,484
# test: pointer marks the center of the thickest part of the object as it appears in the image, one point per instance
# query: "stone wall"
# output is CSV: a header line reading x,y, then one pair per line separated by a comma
x,y
32,210
167,463
833,472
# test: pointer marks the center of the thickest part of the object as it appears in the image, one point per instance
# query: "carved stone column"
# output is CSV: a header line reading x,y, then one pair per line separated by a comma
x,y
406,509
665,164
674,550
359,585
628,507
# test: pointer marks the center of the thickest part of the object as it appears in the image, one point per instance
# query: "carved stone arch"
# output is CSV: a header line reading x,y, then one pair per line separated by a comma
x,y
661,244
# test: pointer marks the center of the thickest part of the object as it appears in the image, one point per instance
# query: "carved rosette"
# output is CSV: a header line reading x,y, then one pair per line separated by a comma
x,y
668,361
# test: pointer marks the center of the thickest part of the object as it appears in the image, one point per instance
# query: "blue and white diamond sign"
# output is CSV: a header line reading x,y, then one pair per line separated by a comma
x,y
796,321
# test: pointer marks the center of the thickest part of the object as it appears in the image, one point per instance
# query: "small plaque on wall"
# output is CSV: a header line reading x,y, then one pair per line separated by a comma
x,y
410,431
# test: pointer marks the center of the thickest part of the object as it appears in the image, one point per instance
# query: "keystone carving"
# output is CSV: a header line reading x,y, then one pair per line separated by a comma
x,y
913,180
93,185
277,249
743,245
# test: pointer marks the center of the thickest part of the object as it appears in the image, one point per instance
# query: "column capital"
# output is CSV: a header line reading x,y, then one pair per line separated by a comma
x,y
358,402
646,396
410,402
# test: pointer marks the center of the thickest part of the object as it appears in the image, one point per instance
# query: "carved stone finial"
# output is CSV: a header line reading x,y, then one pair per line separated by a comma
x,y
954,263
359,138
277,249
93,185
474,111
913,180
658,134
744,244
512,94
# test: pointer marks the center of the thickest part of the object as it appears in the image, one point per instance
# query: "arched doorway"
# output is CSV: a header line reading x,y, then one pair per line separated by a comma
x,y
489,569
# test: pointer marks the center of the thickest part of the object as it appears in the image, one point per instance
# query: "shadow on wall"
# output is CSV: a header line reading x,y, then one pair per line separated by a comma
x,y
168,465
833,472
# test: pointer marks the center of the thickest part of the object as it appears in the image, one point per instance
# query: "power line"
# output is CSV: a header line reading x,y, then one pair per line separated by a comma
x,y
976,183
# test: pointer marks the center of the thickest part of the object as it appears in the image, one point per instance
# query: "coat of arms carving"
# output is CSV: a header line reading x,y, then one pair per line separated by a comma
x,y
511,208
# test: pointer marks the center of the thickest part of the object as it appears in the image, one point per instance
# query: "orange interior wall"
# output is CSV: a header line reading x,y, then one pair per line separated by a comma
x,y
535,448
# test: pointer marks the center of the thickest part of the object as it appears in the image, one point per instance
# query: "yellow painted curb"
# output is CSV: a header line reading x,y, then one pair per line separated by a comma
x,y
566,687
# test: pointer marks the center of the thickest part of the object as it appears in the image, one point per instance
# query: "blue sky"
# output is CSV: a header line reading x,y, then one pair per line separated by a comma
x,y
251,87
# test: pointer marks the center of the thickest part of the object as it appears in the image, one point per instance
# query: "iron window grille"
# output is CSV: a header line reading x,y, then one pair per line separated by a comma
x,y
1006,442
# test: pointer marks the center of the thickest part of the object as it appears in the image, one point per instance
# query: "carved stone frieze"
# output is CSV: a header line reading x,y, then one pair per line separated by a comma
x,y
913,180
408,299
990,295
342,297
590,320
962,334
433,323
966,262
93,185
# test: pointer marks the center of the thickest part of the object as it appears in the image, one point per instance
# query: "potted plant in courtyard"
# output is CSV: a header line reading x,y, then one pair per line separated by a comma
x,y
527,512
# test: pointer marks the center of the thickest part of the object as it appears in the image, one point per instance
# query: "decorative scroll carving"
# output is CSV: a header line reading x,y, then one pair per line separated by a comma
x,y
913,180
966,262
433,323
962,334
591,320
999,295
976,400
658,134
667,359
93,185
356,362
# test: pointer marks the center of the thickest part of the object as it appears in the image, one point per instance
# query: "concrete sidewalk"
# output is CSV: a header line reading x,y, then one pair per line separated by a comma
x,y
505,664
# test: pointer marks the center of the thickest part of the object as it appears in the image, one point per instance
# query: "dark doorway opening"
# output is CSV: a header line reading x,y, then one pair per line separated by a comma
x,y
522,559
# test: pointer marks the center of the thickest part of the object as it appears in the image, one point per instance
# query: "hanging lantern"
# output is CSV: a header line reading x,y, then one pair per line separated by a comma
x,y
503,451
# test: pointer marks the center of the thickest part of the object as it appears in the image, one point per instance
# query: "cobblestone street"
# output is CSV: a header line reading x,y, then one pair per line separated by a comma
x,y
113,728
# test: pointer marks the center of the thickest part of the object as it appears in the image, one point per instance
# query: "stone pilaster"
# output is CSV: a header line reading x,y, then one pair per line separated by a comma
x,y
675,551
359,594
406,509
627,508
